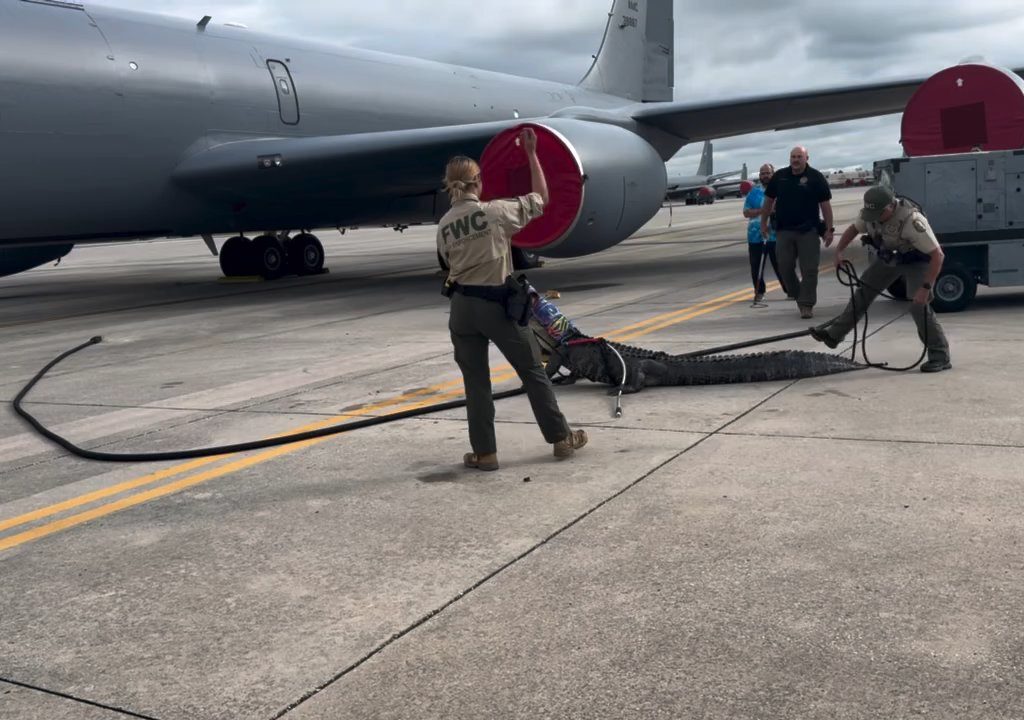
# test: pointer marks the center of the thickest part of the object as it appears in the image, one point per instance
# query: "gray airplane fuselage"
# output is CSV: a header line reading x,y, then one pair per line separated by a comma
x,y
98,107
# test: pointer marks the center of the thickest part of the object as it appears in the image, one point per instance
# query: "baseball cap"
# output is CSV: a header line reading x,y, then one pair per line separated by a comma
x,y
876,199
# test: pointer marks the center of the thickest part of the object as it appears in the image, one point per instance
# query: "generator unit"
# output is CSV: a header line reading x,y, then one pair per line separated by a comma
x,y
975,204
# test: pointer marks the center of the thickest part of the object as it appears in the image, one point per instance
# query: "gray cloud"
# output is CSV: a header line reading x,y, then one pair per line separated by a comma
x,y
723,49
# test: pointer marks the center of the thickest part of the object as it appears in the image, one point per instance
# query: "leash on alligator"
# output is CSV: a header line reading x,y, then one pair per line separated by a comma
x,y
594,358
716,368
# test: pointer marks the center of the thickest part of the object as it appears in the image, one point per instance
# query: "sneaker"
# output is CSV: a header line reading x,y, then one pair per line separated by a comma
x,y
821,336
567,448
806,312
487,461
758,298
936,366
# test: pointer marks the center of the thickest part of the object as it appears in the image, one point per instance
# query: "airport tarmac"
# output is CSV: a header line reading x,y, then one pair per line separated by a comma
x,y
838,547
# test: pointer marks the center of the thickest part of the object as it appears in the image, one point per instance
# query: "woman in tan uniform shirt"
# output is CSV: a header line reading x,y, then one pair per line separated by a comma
x,y
474,239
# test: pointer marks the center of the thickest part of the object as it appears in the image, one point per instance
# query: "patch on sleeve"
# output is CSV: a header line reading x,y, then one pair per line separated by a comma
x,y
919,226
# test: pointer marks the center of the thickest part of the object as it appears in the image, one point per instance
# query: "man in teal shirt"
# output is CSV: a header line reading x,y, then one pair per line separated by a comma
x,y
757,246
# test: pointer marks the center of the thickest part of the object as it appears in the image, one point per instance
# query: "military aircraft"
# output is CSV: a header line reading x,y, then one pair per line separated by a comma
x,y
734,186
121,125
701,188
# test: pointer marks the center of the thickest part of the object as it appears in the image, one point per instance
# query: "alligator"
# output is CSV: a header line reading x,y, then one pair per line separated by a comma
x,y
602,361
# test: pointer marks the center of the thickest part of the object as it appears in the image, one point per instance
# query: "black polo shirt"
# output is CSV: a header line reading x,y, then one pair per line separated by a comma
x,y
797,198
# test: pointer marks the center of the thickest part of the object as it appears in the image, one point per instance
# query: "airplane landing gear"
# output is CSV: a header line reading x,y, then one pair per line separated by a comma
x,y
234,256
305,254
272,256
268,257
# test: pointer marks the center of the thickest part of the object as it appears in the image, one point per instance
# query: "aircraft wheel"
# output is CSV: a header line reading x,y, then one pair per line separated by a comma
x,y
267,257
305,254
234,256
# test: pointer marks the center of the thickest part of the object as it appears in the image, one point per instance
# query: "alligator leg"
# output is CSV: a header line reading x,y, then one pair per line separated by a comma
x,y
556,361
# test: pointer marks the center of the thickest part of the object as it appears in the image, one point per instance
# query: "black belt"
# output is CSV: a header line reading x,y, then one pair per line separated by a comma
x,y
909,257
494,293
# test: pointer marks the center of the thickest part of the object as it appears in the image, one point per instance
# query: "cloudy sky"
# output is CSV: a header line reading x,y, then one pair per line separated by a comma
x,y
729,48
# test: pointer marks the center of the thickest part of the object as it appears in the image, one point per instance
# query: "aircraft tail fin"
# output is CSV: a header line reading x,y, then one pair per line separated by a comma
x,y
707,160
636,59
743,175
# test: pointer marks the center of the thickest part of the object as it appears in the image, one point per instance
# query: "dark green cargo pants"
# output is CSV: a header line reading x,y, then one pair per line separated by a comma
x,y
879,276
473,323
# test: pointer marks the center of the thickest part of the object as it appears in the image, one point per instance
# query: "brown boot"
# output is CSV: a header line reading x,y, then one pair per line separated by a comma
x,y
488,461
574,441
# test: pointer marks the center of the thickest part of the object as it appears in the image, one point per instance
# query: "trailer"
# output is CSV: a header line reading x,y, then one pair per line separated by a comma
x,y
975,204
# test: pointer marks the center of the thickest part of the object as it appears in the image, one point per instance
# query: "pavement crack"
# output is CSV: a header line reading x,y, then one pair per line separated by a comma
x,y
73,698
885,441
526,553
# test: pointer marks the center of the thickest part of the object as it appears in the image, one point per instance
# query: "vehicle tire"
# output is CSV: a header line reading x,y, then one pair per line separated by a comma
x,y
305,254
898,289
234,256
268,258
525,260
954,288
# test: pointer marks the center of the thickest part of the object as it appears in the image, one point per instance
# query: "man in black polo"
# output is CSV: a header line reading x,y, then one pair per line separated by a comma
x,y
795,195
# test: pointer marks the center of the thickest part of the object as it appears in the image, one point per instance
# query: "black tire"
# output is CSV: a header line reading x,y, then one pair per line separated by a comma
x,y
954,288
899,289
305,254
234,256
525,260
268,258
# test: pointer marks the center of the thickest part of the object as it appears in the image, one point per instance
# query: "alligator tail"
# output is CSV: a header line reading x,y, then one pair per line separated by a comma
x,y
753,367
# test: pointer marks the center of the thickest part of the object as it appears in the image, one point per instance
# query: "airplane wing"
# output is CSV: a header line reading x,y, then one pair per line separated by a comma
x,y
395,163
723,175
717,119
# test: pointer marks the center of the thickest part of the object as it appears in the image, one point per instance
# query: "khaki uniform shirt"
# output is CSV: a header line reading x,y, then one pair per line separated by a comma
x,y
906,230
475,238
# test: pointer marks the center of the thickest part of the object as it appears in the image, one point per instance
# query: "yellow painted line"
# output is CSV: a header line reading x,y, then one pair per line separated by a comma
x,y
499,375
187,482
738,295
159,475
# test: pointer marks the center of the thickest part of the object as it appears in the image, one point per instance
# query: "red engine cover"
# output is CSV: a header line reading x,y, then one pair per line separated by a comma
x,y
506,173
745,187
965,107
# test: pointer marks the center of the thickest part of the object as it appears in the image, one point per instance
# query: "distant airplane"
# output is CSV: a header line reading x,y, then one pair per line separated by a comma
x,y
700,188
730,187
120,125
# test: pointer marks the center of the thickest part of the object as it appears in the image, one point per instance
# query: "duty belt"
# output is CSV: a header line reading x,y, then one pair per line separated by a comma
x,y
494,293
902,258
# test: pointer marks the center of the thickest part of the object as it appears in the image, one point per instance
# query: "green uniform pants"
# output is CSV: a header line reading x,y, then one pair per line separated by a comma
x,y
473,323
804,248
879,276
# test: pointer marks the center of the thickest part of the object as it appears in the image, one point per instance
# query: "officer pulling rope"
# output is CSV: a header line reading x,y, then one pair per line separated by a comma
x,y
906,247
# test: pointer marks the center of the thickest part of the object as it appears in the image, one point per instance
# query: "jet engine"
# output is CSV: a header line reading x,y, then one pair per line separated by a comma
x,y
604,183
18,259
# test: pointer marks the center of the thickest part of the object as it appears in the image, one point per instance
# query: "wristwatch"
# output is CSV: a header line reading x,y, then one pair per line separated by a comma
x,y
927,286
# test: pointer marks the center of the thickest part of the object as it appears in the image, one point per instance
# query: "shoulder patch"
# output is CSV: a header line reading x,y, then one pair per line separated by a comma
x,y
919,226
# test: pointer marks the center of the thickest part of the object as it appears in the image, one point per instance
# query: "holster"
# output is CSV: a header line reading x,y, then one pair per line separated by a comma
x,y
892,257
517,302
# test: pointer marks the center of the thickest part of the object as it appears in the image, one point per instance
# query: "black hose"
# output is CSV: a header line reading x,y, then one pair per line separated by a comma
x,y
222,449
746,344
848,277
